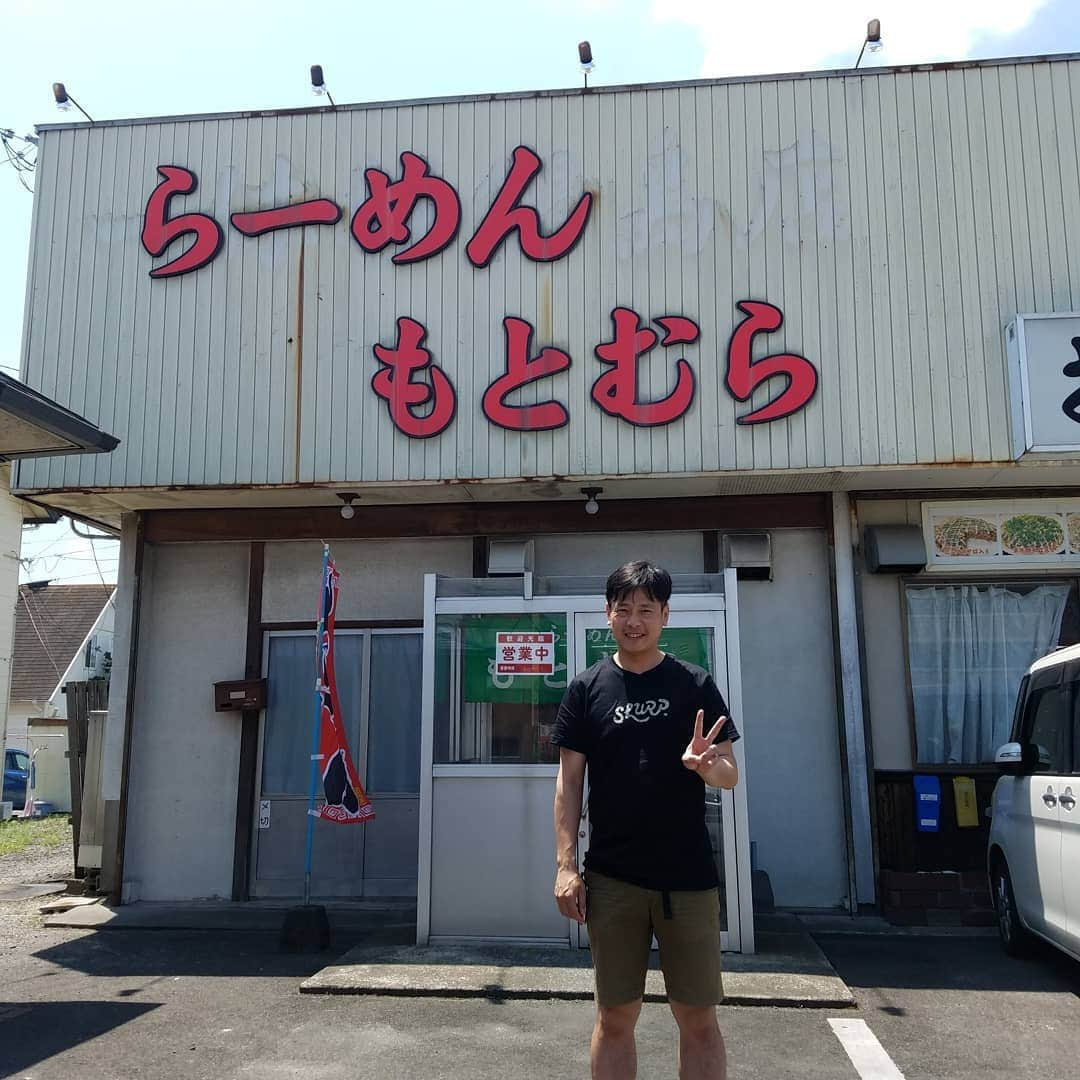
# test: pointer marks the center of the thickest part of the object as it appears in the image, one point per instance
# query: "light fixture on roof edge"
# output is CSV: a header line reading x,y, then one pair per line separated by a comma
x,y
584,51
592,505
873,39
348,497
318,84
64,101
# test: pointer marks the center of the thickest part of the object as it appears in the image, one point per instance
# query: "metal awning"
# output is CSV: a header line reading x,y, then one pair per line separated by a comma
x,y
32,425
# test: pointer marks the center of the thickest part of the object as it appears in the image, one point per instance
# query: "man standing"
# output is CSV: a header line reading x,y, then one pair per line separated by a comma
x,y
644,723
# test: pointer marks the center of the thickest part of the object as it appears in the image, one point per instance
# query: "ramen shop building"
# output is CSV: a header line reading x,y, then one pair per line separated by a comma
x,y
809,341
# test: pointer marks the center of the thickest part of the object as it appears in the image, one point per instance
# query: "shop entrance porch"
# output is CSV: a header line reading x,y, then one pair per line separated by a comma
x,y
498,654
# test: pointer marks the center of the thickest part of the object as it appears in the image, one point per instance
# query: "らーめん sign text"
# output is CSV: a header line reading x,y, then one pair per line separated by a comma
x,y
419,394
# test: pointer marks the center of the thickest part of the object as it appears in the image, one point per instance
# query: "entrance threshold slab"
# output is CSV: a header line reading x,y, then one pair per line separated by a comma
x,y
380,920
788,970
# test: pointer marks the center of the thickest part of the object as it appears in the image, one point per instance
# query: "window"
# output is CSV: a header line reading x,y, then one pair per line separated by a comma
x,y
499,680
1048,727
394,713
1074,764
968,648
379,689
290,707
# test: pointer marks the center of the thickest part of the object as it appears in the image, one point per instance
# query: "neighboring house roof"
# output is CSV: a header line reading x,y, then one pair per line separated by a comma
x,y
51,624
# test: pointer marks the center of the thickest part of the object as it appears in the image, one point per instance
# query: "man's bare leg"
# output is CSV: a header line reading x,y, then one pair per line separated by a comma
x,y
614,1055
701,1046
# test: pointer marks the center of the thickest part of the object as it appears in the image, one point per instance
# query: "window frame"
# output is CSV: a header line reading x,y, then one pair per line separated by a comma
x,y
1026,578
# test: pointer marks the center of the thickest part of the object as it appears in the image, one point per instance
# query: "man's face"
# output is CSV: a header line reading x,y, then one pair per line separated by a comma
x,y
636,621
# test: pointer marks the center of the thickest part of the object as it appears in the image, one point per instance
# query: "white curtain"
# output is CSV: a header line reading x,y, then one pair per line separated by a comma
x,y
968,647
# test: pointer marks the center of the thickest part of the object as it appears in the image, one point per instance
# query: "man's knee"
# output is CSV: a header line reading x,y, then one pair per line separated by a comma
x,y
617,1021
697,1024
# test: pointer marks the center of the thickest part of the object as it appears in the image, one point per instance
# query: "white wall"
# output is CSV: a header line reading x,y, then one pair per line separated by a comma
x,y
185,756
52,776
574,555
77,671
10,546
380,579
19,712
790,724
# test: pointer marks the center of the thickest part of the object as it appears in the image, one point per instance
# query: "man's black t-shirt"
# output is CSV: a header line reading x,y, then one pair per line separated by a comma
x,y
647,810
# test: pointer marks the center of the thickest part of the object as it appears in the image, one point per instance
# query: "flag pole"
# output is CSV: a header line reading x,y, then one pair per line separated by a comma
x,y
316,726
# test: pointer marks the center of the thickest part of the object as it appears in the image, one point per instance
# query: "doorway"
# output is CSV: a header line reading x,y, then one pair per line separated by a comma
x,y
495,668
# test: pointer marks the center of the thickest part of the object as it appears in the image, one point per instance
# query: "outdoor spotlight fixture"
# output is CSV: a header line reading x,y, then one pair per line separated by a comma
x,y
318,84
873,39
65,102
347,497
591,504
584,51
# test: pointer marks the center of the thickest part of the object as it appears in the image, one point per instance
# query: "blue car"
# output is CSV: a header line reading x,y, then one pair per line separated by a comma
x,y
16,777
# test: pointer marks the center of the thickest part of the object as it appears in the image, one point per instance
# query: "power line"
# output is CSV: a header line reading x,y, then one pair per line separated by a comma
x,y
20,154
101,575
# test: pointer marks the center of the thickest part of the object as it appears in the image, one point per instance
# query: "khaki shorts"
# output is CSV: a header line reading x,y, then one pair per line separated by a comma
x,y
622,919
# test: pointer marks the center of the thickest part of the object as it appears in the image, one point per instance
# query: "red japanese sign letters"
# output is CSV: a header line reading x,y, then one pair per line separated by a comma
x,y
419,394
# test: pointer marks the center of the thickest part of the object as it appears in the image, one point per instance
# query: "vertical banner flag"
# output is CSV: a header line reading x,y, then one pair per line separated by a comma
x,y
346,801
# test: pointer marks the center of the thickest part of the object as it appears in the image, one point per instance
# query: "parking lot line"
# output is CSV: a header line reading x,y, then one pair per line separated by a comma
x,y
866,1053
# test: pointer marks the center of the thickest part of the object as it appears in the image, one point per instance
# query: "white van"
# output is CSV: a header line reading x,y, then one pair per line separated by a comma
x,y
1034,849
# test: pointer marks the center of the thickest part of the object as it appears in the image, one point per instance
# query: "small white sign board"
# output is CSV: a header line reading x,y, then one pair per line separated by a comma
x,y
264,813
1044,383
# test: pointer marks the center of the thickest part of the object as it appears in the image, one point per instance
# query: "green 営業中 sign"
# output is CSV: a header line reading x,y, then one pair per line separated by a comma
x,y
481,680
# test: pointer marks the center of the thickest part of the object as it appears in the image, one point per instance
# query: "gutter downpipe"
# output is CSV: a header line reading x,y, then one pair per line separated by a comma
x,y
852,727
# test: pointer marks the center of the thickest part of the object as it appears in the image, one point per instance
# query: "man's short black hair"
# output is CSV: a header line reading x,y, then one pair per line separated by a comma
x,y
653,581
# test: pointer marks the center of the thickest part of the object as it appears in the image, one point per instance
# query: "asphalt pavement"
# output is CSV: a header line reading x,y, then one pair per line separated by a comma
x,y
227,1004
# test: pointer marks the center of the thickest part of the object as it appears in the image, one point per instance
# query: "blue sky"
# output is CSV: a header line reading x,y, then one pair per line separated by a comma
x,y
127,58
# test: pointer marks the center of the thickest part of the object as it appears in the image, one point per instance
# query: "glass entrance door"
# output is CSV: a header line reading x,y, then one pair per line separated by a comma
x,y
699,638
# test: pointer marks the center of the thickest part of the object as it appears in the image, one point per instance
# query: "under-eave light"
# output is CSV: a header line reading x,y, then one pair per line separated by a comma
x,y
592,505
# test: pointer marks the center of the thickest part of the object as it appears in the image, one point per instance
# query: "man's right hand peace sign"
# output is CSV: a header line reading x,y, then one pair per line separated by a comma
x,y
713,762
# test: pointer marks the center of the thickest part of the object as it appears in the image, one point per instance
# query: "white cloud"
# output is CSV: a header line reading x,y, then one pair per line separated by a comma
x,y
793,35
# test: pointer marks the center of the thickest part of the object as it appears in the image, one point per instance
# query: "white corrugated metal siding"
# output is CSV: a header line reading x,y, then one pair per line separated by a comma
x,y
898,219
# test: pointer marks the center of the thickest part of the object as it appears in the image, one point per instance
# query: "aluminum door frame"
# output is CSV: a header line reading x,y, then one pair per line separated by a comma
x,y
435,606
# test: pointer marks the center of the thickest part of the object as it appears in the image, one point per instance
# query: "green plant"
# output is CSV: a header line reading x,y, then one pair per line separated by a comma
x,y
18,834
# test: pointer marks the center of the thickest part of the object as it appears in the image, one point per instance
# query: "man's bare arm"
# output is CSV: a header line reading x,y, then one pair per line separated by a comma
x,y
569,791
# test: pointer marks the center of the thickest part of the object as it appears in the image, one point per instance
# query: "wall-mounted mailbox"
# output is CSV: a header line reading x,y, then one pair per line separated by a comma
x,y
239,696
927,803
